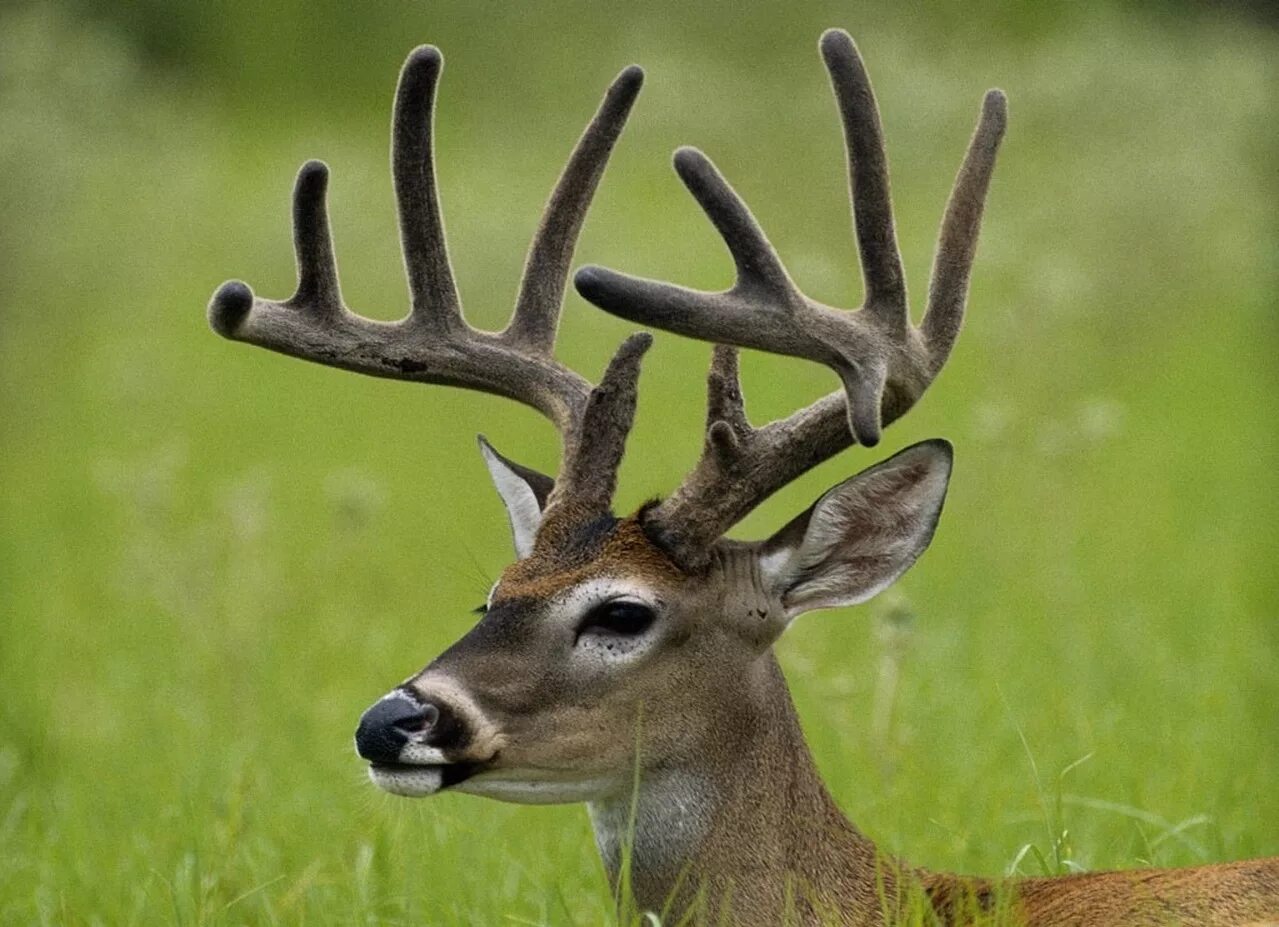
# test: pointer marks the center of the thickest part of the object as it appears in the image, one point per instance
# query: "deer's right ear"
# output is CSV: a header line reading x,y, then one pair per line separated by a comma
x,y
861,536
524,493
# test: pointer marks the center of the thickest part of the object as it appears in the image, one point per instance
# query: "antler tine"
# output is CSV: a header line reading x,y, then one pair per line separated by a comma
x,y
740,465
759,270
884,363
434,302
433,344
317,287
751,313
317,293
882,274
957,242
724,404
541,296
588,474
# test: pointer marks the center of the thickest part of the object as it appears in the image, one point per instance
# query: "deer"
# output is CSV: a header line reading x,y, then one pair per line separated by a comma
x,y
627,662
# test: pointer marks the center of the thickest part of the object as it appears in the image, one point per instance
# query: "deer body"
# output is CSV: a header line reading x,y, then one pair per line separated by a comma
x,y
628,662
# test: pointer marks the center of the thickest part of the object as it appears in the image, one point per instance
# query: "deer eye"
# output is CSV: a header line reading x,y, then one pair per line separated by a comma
x,y
620,617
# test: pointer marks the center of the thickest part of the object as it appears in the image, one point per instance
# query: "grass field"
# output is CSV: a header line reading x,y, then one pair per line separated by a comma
x,y
212,559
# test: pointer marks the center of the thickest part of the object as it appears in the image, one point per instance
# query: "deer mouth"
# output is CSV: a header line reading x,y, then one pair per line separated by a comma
x,y
418,780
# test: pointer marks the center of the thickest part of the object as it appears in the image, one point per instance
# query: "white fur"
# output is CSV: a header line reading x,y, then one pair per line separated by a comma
x,y
773,563
410,783
521,504
420,754
672,813
525,787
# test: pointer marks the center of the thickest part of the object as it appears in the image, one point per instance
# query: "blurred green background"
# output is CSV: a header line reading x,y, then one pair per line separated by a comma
x,y
212,558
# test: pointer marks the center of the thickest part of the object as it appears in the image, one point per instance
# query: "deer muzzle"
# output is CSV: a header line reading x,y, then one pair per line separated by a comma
x,y
413,744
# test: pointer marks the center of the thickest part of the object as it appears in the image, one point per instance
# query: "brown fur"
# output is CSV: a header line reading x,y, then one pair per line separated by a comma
x,y
1222,894
579,548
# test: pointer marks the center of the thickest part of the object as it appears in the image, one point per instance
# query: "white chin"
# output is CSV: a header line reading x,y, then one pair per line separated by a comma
x,y
409,782
508,786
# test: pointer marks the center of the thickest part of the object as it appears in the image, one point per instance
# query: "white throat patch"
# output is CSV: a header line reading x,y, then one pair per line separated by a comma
x,y
663,823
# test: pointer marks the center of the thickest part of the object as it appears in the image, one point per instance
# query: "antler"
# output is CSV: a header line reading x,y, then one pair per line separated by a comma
x,y
434,343
884,362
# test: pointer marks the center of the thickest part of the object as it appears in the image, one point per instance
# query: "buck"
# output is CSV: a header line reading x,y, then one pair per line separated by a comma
x,y
627,662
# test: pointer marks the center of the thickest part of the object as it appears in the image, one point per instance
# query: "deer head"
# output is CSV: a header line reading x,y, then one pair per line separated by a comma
x,y
645,640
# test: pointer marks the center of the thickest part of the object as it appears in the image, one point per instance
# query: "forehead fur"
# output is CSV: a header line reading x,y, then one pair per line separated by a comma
x,y
571,551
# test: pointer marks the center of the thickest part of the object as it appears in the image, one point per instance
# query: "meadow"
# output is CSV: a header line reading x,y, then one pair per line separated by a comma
x,y
212,558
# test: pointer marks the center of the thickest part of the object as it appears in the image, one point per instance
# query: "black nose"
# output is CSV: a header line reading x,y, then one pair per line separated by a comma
x,y
387,726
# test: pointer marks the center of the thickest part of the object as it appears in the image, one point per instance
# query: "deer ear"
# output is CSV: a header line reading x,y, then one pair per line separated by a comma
x,y
860,536
523,491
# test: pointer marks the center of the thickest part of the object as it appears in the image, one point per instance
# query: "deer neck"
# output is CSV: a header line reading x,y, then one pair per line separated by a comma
x,y
745,822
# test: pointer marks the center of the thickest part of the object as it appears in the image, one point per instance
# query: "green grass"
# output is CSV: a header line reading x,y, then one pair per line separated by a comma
x,y
212,558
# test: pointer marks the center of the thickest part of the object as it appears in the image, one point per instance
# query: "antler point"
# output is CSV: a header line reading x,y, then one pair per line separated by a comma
x,y
995,106
638,343
687,158
230,304
631,78
313,175
425,56
590,279
836,41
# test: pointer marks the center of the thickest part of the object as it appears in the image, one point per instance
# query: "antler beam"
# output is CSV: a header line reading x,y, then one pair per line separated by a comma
x,y
884,363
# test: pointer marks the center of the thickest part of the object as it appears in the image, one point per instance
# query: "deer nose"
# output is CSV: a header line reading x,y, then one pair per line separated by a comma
x,y
391,723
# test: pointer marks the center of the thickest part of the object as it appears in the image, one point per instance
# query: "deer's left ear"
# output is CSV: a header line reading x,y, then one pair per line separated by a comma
x,y
860,536
523,491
